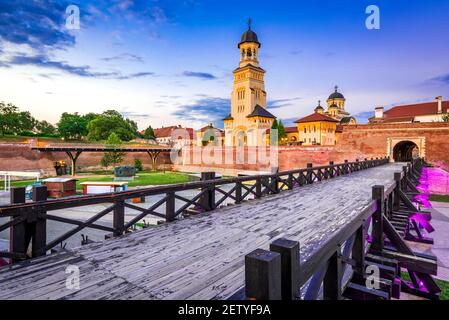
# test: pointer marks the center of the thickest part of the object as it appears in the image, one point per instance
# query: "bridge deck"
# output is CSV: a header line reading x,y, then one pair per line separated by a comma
x,y
201,257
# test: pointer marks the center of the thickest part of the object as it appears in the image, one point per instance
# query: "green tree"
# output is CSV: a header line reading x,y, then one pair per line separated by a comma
x,y
138,164
112,158
446,117
274,128
14,121
45,128
73,125
282,134
149,133
111,121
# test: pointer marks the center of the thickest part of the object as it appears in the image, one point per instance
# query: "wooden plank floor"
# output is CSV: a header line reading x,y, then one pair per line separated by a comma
x,y
201,257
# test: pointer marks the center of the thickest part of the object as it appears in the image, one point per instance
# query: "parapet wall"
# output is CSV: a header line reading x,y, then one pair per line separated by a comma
x,y
20,157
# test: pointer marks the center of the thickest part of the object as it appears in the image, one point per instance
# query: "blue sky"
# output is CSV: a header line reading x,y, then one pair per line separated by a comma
x,y
170,62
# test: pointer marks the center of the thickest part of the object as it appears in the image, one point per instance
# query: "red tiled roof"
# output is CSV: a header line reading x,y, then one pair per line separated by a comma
x,y
291,129
209,127
412,110
316,117
167,131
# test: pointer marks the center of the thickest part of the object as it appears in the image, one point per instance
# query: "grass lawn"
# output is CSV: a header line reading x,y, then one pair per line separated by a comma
x,y
142,179
439,197
444,286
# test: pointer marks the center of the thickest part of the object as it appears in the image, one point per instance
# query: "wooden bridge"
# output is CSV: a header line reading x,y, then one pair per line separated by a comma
x,y
327,210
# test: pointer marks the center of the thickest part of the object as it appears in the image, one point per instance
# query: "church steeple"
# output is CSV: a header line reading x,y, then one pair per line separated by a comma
x,y
249,116
249,47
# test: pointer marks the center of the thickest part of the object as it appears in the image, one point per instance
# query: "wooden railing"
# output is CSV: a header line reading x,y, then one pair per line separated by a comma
x,y
28,221
280,273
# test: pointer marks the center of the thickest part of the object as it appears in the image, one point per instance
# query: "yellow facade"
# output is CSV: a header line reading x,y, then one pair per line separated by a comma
x,y
317,133
247,123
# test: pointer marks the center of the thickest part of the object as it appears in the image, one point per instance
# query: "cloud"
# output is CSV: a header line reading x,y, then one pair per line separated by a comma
x,y
279,103
201,75
362,117
124,56
134,115
442,79
37,23
205,110
45,62
136,75
81,71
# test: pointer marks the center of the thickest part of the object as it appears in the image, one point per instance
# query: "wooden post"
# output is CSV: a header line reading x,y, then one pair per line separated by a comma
x,y
377,231
17,243
238,192
346,167
170,207
358,255
208,198
403,181
258,188
119,218
290,181
390,206
332,278
39,234
263,275
275,179
397,197
309,173
289,251
331,169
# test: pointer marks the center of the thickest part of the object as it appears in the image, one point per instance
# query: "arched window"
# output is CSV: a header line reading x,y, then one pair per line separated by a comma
x,y
249,53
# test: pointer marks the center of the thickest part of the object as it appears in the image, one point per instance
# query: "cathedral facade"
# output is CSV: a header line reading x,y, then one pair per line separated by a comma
x,y
249,119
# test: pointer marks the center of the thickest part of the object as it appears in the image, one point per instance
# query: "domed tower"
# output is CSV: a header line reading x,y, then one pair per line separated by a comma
x,y
336,98
336,105
319,108
249,116
249,47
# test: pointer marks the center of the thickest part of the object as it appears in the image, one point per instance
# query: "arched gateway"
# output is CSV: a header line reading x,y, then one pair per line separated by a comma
x,y
405,149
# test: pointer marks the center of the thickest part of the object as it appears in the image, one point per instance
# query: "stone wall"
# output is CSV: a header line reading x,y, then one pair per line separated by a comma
x,y
20,157
379,140
288,158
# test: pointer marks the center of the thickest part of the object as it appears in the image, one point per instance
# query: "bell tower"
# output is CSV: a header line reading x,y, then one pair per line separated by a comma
x,y
248,99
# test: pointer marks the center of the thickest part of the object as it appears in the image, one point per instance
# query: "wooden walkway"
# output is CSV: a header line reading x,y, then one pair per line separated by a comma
x,y
201,257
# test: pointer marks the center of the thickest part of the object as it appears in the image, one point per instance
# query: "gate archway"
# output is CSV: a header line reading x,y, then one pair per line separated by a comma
x,y
405,151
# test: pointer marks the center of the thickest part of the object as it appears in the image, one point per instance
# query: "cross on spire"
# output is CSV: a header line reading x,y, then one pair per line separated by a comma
x,y
319,103
336,88
250,21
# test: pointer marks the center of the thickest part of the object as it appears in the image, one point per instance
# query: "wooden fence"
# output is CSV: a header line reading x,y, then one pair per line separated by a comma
x,y
28,221
374,238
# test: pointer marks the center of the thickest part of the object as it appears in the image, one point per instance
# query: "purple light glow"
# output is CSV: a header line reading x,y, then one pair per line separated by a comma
x,y
422,220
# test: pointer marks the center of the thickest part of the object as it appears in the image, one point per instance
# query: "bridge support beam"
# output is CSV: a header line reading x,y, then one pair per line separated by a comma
x,y
73,159
153,155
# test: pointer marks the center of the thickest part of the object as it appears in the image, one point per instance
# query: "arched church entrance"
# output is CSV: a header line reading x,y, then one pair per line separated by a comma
x,y
240,138
405,151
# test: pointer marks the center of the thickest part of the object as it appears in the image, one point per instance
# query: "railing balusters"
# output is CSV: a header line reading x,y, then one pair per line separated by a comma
x,y
40,225
289,251
263,275
17,232
35,215
170,207
377,232
119,218
238,192
332,278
